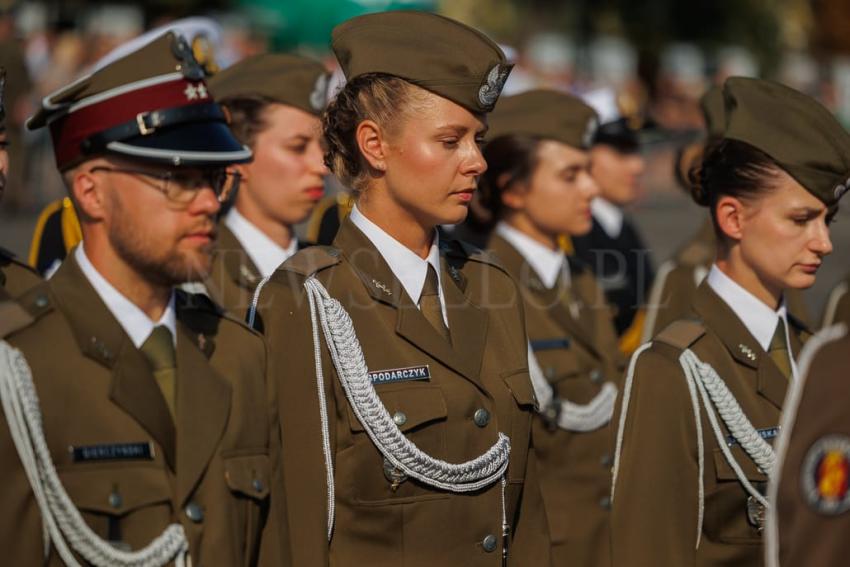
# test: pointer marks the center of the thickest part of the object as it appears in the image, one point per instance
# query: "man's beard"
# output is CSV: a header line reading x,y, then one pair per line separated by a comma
x,y
166,267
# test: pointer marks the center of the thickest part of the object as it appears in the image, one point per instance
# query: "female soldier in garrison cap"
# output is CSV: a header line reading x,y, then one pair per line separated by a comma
x,y
401,357
701,403
275,101
537,187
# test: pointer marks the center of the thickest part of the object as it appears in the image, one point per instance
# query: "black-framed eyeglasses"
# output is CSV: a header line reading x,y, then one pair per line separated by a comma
x,y
183,186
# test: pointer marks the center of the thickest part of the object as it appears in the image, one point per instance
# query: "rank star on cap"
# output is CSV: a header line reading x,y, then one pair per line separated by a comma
x,y
194,92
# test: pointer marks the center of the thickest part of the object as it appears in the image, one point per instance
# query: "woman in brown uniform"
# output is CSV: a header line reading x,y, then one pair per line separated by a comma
x,y
701,403
401,357
538,187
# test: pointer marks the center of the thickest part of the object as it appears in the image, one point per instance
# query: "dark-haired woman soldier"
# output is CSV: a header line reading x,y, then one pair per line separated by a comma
x,y
538,187
701,403
401,357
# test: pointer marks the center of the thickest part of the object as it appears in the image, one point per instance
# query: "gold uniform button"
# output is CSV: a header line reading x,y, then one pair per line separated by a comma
x,y
489,543
194,512
481,417
399,418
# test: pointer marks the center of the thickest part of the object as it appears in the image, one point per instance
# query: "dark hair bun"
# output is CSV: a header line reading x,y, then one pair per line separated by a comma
x,y
696,182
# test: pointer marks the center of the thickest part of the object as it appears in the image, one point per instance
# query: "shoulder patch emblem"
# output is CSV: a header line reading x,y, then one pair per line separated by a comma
x,y
825,475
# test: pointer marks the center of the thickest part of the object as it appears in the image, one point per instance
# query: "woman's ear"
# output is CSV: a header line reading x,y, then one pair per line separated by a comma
x,y
730,216
513,195
370,139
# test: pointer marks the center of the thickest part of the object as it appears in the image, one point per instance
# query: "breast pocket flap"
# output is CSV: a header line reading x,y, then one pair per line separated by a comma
x,y
409,407
249,475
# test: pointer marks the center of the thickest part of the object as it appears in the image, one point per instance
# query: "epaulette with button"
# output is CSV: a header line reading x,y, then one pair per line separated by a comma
x,y
681,334
311,260
12,317
26,309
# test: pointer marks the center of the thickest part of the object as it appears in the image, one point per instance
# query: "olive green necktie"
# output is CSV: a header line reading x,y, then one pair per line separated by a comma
x,y
429,303
778,350
159,350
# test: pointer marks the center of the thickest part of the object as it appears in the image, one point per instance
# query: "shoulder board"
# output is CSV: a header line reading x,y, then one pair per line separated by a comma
x,y
36,301
312,259
12,317
681,334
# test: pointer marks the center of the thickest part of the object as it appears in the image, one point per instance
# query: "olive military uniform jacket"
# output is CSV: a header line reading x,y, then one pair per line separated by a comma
x,y
233,276
810,520
656,510
15,276
675,286
578,354
475,388
211,471
837,308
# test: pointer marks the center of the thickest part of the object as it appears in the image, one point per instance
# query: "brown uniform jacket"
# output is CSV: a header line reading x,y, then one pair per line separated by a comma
x,y
478,386
837,309
676,283
655,501
211,471
812,496
15,276
233,276
578,354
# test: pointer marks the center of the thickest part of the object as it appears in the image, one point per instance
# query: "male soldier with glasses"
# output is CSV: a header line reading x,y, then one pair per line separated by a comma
x,y
155,409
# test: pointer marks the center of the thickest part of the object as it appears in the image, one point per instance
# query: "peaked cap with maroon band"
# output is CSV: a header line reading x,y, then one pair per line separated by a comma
x,y
151,105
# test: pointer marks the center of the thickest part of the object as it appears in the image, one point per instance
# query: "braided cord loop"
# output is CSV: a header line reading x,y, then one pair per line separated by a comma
x,y
62,524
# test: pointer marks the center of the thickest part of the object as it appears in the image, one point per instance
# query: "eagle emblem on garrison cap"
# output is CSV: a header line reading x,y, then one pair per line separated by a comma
x,y
319,96
489,92
840,189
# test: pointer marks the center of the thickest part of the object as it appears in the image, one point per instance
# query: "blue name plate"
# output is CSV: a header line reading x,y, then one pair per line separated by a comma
x,y
549,344
113,452
400,374
767,434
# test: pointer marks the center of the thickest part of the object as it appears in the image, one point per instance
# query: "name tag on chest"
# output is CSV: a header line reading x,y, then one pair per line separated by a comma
x,y
113,452
767,434
400,374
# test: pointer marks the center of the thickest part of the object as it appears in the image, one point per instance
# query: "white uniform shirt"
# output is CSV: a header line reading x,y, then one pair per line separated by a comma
x,y
266,254
408,268
548,264
608,215
759,319
133,320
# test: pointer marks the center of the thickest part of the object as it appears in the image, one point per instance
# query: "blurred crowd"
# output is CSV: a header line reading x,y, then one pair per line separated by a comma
x,y
42,52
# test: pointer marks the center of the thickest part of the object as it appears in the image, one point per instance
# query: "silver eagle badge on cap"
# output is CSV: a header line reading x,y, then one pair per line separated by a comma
x,y
841,189
319,96
590,131
489,92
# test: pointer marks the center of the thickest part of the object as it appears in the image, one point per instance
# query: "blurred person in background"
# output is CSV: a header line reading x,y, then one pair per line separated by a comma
x,y
538,187
15,276
614,248
274,101
16,109
701,403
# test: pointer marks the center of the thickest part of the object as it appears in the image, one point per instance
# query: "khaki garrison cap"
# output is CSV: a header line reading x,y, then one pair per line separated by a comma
x,y
283,78
802,136
151,105
714,112
548,114
436,53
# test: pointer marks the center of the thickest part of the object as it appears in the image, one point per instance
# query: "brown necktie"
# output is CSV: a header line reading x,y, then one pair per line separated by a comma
x,y
429,303
159,350
778,350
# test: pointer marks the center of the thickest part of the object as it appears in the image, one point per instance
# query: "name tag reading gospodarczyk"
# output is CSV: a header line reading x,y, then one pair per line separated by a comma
x,y
113,452
767,434
400,374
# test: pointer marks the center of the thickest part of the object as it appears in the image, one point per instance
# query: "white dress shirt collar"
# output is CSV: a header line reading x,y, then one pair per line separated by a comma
x,y
548,264
266,254
608,215
133,320
408,268
759,319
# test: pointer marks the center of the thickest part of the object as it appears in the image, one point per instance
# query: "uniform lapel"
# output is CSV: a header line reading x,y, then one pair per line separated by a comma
x,y
203,400
379,281
467,321
101,338
770,383
237,264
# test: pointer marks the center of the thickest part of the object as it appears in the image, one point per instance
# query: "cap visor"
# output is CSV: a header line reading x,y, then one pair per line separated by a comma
x,y
198,144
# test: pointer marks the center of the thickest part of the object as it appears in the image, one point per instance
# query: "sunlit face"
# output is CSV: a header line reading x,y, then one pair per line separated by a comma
x,y
164,242
557,198
618,174
785,235
433,161
286,178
